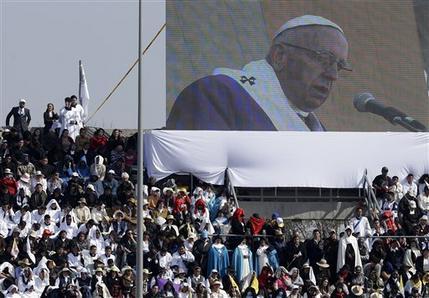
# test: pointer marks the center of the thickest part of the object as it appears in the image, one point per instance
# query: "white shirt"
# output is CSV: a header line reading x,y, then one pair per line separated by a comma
x,y
165,261
180,260
410,188
423,200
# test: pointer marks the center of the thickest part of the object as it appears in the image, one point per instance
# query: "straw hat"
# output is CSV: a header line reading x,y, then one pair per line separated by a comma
x,y
376,295
82,200
114,269
24,262
133,201
323,263
357,290
183,189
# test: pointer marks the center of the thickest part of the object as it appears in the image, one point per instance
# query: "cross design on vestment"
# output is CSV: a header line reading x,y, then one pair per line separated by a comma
x,y
250,80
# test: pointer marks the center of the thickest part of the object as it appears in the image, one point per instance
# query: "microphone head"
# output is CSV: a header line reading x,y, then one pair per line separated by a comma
x,y
360,101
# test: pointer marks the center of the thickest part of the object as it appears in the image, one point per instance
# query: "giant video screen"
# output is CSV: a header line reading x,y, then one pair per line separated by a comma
x,y
328,65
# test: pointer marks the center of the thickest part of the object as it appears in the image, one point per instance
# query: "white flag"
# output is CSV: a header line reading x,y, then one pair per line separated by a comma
x,y
83,91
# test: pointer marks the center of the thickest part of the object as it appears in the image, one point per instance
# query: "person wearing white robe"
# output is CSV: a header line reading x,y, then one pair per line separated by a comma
x,y
360,225
41,278
413,252
409,187
74,258
164,259
4,230
108,256
23,214
98,213
89,257
54,210
69,225
7,216
83,213
348,238
12,292
70,119
181,258
26,283
48,224
38,215
95,238
262,257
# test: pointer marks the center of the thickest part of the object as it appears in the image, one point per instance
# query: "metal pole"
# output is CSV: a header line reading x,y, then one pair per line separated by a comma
x,y
139,268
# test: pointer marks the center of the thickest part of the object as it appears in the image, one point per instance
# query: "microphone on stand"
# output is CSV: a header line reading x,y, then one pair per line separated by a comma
x,y
366,102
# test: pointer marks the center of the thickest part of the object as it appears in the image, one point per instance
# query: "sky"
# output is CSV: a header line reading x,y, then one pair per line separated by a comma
x,y
41,43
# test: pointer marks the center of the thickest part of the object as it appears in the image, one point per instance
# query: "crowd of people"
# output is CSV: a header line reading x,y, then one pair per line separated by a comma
x,y
68,229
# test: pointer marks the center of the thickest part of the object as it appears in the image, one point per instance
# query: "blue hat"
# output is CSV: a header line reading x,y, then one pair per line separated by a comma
x,y
204,234
275,215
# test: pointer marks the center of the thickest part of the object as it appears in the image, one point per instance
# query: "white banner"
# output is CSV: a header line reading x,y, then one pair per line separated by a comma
x,y
286,159
83,91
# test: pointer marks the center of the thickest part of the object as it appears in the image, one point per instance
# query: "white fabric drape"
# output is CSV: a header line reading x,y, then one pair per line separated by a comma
x,y
285,158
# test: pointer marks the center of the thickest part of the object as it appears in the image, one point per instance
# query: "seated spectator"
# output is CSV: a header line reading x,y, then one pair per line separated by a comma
x,y
409,187
423,200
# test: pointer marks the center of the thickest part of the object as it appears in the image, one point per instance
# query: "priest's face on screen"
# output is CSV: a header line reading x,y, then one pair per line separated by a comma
x,y
307,61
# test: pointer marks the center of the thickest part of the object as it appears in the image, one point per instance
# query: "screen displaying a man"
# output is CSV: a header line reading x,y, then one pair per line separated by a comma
x,y
280,92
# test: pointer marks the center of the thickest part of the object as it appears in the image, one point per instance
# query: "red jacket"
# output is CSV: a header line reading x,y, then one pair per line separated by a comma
x,y
97,142
12,185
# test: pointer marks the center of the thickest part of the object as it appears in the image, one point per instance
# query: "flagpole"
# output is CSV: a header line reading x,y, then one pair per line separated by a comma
x,y
80,80
140,226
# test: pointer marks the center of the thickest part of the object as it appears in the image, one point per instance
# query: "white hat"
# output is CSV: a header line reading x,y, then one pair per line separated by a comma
x,y
75,174
39,173
91,187
413,204
111,172
160,220
22,100
125,175
280,222
376,295
307,20
323,263
7,171
154,189
357,290
25,177
165,189
424,217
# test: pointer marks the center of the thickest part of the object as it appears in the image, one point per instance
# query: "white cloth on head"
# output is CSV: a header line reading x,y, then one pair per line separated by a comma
x,y
98,241
342,246
307,20
55,214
